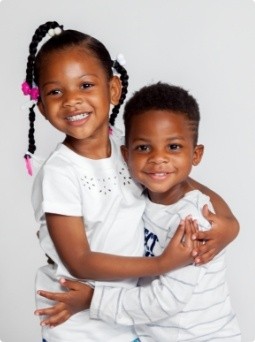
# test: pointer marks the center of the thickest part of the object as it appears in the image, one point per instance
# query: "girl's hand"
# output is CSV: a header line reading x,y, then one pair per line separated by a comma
x,y
76,299
179,249
215,239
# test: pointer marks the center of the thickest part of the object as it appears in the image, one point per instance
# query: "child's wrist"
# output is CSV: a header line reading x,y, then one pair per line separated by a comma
x,y
163,264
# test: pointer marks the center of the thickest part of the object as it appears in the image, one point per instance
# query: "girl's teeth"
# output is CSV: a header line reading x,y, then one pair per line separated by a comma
x,y
77,117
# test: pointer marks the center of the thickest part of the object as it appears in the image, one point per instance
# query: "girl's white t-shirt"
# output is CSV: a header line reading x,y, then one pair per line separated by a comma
x,y
103,193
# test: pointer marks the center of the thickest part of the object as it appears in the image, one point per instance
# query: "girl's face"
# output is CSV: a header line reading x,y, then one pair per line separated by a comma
x,y
75,94
161,152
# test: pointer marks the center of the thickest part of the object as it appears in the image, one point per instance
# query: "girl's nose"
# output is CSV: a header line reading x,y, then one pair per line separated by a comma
x,y
72,100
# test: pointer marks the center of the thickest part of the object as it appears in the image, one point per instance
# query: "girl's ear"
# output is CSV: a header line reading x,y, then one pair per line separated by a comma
x,y
115,90
40,106
124,152
198,154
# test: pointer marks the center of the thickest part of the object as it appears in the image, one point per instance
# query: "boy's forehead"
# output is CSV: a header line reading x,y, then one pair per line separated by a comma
x,y
158,122
157,116
158,112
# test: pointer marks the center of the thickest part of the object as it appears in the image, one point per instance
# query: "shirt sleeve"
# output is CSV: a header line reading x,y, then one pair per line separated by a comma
x,y
163,297
56,190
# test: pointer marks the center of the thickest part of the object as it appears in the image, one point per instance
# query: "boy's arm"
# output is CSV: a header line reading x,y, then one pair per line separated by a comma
x,y
225,226
78,296
162,298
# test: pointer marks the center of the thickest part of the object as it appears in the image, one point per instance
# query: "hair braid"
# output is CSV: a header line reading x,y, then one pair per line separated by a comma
x,y
124,81
31,139
39,34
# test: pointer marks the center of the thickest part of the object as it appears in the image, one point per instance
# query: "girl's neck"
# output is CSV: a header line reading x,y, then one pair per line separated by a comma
x,y
92,148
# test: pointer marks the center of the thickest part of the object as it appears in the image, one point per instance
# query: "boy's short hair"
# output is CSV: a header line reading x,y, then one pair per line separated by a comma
x,y
162,96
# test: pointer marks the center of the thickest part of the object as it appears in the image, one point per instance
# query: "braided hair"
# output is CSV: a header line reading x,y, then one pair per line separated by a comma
x,y
124,81
59,40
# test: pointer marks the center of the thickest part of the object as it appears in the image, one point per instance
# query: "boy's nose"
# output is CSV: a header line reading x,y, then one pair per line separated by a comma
x,y
159,158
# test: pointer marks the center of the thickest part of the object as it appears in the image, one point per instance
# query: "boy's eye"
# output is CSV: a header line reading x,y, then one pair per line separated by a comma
x,y
143,148
174,147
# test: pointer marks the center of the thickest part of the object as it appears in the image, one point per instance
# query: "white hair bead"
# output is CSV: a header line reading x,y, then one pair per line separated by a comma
x,y
54,32
121,59
57,30
51,32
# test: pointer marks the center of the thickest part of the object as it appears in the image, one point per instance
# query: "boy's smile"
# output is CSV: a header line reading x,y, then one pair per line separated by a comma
x,y
161,152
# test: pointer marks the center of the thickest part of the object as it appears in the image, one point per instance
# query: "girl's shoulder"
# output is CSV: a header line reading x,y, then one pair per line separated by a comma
x,y
116,135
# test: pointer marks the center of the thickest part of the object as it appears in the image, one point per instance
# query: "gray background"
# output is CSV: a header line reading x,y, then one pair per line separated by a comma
x,y
206,46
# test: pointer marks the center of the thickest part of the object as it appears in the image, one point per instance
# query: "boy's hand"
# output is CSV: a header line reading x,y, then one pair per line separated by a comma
x,y
213,240
76,299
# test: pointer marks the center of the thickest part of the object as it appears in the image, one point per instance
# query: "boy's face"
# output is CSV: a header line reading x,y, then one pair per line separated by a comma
x,y
161,152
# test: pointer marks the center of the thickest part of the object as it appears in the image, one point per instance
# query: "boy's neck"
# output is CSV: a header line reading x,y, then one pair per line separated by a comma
x,y
171,196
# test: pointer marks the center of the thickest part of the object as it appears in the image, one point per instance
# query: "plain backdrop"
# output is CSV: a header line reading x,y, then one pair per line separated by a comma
x,y
205,46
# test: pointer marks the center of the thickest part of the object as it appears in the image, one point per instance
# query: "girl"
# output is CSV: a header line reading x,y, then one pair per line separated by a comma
x,y
83,194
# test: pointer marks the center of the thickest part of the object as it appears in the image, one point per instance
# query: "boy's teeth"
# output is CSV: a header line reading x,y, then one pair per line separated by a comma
x,y
77,117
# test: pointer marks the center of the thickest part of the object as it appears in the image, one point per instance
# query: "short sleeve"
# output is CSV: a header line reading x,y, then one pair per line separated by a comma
x,y
56,190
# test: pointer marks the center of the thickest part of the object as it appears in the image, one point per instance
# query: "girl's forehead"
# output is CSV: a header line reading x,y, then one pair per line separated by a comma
x,y
70,58
71,52
65,68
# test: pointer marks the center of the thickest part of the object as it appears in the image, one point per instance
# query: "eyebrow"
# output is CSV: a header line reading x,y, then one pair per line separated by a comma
x,y
144,139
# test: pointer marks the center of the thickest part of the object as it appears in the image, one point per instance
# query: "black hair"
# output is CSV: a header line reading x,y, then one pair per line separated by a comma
x,y
65,39
162,96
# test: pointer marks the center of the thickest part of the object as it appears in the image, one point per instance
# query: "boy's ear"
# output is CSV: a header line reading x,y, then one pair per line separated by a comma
x,y
115,90
124,152
198,154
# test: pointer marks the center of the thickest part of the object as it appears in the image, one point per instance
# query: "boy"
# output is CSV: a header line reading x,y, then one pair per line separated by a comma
x,y
192,303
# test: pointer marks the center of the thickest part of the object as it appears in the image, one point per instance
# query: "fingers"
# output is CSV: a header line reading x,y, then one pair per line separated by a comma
x,y
179,234
74,285
53,310
205,257
208,215
55,315
189,230
69,284
55,319
56,296
206,252
205,235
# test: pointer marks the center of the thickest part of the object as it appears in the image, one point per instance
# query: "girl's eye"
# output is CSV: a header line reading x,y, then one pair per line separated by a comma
x,y
53,92
86,85
143,148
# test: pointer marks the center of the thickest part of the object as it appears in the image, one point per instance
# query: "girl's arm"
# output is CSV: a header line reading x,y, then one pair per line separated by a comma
x,y
69,237
225,226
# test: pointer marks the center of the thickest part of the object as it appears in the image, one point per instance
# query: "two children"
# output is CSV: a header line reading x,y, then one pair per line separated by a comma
x,y
83,194
192,303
